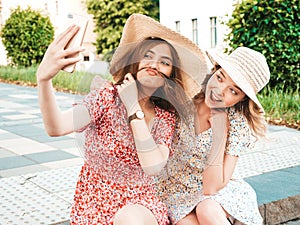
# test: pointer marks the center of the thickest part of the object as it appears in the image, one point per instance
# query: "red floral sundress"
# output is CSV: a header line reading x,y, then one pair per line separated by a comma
x,y
111,176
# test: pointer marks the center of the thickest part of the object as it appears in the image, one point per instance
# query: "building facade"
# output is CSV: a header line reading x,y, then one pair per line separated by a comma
x,y
199,20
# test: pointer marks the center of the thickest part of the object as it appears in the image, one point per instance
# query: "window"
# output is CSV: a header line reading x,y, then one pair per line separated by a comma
x,y
46,7
56,7
177,23
195,30
213,32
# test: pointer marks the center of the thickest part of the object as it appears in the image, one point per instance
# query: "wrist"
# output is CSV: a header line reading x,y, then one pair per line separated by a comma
x,y
43,82
133,109
137,115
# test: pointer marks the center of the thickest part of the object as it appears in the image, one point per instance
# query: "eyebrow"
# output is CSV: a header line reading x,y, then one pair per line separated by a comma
x,y
221,72
164,57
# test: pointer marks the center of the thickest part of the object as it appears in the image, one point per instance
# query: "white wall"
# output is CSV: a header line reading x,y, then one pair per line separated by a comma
x,y
186,10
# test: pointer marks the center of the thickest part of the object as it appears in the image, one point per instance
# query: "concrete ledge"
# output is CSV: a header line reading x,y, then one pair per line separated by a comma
x,y
281,211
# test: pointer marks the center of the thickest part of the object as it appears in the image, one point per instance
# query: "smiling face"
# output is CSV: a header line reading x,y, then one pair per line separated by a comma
x,y
155,65
221,91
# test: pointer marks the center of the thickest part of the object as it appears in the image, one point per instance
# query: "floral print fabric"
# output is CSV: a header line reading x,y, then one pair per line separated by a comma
x,y
180,184
111,176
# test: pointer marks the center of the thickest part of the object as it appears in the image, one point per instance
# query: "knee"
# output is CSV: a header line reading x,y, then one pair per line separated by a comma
x,y
134,215
125,215
207,210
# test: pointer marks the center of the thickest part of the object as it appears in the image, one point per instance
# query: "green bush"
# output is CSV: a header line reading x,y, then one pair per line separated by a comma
x,y
110,17
271,27
26,35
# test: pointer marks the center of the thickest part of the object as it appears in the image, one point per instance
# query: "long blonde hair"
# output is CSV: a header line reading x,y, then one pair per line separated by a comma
x,y
247,107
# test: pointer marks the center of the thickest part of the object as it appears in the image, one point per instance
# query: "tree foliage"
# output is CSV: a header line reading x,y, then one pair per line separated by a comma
x,y
271,27
26,35
110,17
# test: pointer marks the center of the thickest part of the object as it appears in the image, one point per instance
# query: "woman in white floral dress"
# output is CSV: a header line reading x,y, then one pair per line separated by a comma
x,y
197,184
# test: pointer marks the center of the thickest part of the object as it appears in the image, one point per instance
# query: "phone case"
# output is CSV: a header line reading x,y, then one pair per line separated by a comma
x,y
82,22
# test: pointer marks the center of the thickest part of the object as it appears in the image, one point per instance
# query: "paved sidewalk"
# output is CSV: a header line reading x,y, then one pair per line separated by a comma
x,y
38,173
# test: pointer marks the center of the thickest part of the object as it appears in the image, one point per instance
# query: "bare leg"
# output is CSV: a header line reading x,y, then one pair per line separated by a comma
x,y
190,219
134,215
209,212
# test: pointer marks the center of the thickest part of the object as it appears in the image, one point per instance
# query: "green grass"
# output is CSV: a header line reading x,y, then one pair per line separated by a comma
x,y
77,82
281,104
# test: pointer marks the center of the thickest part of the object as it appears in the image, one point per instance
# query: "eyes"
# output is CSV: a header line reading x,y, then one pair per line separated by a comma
x,y
165,61
221,79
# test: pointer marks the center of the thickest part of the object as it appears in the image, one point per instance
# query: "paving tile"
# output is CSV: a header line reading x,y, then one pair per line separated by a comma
x,y
22,202
56,180
24,96
22,146
5,110
8,135
74,151
66,143
20,116
31,111
23,170
49,156
14,162
5,153
11,105
64,163
27,128
276,185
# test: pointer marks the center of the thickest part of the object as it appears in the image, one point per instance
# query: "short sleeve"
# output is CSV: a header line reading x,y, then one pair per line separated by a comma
x,y
240,138
98,102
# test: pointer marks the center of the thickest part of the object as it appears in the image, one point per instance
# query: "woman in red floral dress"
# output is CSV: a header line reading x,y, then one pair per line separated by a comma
x,y
128,126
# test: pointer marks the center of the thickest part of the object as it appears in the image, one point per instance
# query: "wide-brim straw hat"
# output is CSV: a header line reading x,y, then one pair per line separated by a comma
x,y
246,67
193,63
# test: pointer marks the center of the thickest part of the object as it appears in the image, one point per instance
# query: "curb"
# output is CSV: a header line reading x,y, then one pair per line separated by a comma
x,y
281,211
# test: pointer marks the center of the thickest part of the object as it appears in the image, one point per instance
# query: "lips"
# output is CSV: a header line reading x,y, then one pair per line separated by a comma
x,y
152,72
214,97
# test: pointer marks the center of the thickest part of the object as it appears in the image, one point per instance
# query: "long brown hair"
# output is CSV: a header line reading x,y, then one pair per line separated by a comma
x,y
246,106
170,96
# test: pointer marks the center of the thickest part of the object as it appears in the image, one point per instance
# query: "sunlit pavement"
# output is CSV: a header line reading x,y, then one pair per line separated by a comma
x,y
38,173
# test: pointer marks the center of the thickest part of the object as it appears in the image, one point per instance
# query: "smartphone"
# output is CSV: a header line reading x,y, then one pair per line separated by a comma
x,y
76,41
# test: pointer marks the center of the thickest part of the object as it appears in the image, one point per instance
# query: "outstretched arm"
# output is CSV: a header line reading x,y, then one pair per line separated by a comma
x,y
58,122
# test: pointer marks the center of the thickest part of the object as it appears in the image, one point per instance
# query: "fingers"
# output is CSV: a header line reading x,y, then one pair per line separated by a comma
x,y
128,77
64,38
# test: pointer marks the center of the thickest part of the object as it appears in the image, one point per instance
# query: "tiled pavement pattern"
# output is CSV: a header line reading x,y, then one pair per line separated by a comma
x,y
38,173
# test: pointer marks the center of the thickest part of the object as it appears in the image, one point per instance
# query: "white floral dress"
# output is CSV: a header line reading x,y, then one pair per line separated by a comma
x,y
180,184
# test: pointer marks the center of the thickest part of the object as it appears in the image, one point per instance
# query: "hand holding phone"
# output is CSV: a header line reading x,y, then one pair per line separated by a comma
x,y
76,41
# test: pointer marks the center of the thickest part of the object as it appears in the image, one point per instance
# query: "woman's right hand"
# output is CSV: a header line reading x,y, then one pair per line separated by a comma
x,y
56,56
219,120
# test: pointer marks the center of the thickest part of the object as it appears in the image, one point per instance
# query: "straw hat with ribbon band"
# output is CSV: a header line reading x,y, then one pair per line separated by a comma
x,y
246,67
193,62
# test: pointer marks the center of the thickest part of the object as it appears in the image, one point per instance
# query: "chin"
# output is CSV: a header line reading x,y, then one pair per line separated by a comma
x,y
151,84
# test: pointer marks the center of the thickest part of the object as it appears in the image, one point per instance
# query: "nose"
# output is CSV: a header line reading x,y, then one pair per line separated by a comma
x,y
221,89
153,64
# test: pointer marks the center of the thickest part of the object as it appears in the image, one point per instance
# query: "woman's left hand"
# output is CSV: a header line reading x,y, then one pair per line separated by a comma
x,y
128,93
